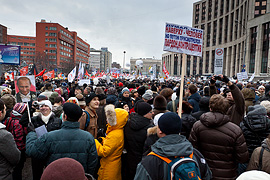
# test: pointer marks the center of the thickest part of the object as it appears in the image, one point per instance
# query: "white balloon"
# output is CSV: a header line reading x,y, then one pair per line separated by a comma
x,y
95,80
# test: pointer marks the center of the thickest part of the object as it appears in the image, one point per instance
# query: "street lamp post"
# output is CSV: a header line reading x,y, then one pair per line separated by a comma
x,y
124,60
245,48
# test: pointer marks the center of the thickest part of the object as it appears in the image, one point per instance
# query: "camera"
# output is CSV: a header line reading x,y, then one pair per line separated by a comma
x,y
37,104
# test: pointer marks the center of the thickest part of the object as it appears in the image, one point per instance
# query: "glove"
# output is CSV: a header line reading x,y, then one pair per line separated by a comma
x,y
225,79
100,140
101,133
24,119
30,127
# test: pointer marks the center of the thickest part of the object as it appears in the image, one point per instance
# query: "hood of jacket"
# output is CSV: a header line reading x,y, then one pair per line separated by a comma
x,y
116,118
248,94
172,145
152,131
2,126
204,103
257,119
195,96
137,122
111,99
214,119
266,144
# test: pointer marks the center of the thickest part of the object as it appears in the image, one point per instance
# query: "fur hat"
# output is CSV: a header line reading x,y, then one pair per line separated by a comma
x,y
147,96
110,114
160,103
67,168
141,90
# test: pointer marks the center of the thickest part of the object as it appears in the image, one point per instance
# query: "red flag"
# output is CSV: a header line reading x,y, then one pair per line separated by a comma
x,y
41,73
86,73
165,70
24,71
60,75
48,75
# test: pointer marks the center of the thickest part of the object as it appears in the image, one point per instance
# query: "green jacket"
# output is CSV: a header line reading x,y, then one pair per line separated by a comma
x,y
69,141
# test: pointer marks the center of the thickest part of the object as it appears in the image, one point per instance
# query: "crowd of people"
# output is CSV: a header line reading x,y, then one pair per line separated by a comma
x,y
133,129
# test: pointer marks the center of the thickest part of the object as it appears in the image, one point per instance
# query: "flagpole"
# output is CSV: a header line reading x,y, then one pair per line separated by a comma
x,y
182,85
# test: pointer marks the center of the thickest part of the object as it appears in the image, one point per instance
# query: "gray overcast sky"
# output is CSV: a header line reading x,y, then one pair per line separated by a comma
x,y
135,26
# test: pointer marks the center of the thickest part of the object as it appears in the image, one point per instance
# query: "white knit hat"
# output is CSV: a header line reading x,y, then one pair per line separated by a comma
x,y
261,87
254,175
266,105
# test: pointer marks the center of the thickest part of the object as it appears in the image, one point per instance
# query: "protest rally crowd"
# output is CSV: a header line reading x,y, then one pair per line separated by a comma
x,y
133,129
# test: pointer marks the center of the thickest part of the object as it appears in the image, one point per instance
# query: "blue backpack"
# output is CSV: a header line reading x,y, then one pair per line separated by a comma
x,y
181,168
87,120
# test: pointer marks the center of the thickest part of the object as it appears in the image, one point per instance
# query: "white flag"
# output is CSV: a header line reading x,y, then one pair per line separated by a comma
x,y
80,71
71,75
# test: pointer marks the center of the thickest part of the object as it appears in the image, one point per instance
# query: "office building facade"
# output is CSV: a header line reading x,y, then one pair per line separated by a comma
x,y
147,63
241,27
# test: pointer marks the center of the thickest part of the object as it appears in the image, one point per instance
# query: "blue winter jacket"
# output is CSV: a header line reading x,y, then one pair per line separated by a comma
x,y
194,100
69,141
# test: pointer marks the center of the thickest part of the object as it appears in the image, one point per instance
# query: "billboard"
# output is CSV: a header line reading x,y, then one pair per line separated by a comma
x,y
183,39
10,54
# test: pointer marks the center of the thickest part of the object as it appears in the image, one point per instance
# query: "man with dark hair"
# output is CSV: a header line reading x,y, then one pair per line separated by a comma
x,y
69,141
9,153
24,94
194,97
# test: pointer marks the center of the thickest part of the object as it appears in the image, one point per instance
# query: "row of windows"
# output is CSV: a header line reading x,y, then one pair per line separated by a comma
x,y
65,59
50,34
66,44
22,44
65,54
65,49
51,28
84,45
28,49
27,52
66,34
51,45
82,55
50,40
22,38
81,51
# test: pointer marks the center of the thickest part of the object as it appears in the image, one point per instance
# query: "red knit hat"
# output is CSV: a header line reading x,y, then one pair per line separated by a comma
x,y
20,107
120,84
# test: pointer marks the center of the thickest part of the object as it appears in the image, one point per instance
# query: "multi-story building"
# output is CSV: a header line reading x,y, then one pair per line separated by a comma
x,y
241,27
95,59
28,47
62,48
116,65
107,59
147,63
3,34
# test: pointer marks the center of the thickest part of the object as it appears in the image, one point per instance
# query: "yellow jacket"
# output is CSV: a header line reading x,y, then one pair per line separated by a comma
x,y
110,150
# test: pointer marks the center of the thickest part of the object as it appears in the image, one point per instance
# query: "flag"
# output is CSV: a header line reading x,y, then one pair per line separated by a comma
x,y
48,75
60,75
86,73
41,73
33,70
165,70
71,75
24,71
150,69
9,76
80,71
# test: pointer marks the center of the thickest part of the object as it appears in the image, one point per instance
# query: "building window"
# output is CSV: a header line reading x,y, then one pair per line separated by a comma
x,y
52,45
209,9
207,62
227,6
197,13
260,7
201,66
46,45
53,28
252,49
46,28
194,65
231,30
265,49
221,7
175,64
216,8
208,35
220,31
213,61
214,33
203,11
52,34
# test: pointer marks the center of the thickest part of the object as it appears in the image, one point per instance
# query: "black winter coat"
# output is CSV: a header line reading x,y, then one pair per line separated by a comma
x,y
255,127
135,136
54,123
187,124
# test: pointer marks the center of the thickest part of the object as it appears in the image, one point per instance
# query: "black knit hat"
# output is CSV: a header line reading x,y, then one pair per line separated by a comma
x,y
160,103
73,111
89,97
143,108
141,90
170,123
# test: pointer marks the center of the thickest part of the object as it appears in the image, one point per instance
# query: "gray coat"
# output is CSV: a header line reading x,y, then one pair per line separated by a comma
x,y
9,153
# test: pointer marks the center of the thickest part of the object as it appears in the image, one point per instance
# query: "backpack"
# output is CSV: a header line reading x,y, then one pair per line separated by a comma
x,y
181,168
87,120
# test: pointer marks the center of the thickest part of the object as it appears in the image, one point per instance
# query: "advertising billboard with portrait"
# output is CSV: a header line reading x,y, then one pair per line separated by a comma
x,y
25,87
10,54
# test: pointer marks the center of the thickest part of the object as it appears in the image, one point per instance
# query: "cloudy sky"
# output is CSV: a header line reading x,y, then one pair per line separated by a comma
x,y
134,26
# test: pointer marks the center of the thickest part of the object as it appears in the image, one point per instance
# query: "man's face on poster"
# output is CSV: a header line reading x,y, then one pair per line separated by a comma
x,y
24,86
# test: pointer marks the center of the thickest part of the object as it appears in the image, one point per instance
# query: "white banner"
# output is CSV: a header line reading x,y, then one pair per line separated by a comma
x,y
72,75
183,39
219,52
84,81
